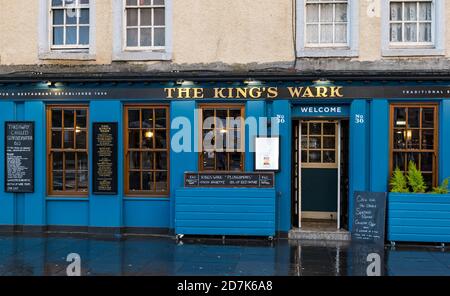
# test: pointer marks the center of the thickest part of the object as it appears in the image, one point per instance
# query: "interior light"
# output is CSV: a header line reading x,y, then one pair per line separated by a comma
x,y
401,122
408,135
77,130
148,134
223,131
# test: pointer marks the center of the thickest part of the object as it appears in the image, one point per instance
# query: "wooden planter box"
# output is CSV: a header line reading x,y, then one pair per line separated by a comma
x,y
416,217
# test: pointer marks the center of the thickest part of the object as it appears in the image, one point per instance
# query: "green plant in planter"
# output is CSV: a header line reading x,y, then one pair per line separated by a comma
x,y
443,188
398,182
415,178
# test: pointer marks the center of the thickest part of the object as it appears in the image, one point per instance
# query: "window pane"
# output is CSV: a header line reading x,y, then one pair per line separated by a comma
x,y
425,11
57,161
312,33
84,16
399,161
132,17
410,32
83,181
160,140
133,119
315,128
426,163
146,17
147,118
400,117
425,32
146,37
428,139
58,36
131,2
396,33
147,181
413,117
160,115
326,33
69,118
235,161
329,128
414,157
57,2
326,13
428,178
161,181
399,139
159,17
58,17
412,139
69,161
69,142
71,35
57,181
396,11
132,37
56,118
71,16
84,35
158,2
134,181
341,12
81,139
341,34
147,160
209,160
82,161
161,161
133,139
135,160
329,157
81,118
329,142
315,143
304,156
70,181
312,13
410,11
222,161
314,156
147,139
428,118
56,139
160,37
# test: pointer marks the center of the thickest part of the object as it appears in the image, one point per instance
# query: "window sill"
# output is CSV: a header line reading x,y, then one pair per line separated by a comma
x,y
59,55
68,198
406,52
314,52
141,56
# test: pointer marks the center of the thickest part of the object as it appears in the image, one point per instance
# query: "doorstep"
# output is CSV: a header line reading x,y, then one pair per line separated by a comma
x,y
325,235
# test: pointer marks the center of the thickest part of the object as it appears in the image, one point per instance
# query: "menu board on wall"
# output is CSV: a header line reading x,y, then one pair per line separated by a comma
x,y
369,213
105,158
19,157
267,154
229,180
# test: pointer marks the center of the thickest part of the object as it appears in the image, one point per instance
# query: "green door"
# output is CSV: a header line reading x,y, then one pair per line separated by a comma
x,y
319,169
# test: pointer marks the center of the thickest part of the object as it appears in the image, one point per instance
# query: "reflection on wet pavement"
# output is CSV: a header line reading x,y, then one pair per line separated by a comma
x,y
46,255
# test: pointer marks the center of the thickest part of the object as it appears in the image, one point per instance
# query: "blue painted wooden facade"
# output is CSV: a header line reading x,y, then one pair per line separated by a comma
x,y
368,161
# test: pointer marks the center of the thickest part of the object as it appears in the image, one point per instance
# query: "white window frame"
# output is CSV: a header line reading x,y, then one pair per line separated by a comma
x,y
349,49
121,52
435,47
47,51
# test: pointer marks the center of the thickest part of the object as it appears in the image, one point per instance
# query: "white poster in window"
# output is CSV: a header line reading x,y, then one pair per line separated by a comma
x,y
267,154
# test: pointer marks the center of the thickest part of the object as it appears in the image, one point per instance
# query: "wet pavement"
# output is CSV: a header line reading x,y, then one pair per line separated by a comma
x,y
23,255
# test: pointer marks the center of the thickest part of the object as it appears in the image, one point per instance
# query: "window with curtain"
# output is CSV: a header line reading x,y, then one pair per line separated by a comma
x,y
69,21
222,134
68,170
145,24
414,137
326,22
147,150
411,22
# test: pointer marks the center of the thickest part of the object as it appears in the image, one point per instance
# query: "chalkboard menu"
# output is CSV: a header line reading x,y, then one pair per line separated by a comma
x,y
229,179
369,214
105,158
19,157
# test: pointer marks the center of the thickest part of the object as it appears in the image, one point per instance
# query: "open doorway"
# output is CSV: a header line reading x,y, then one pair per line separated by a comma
x,y
320,174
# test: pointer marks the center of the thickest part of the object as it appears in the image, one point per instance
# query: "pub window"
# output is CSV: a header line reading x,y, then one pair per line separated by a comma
x,y
319,147
222,135
326,22
414,136
68,170
411,22
69,21
147,150
145,24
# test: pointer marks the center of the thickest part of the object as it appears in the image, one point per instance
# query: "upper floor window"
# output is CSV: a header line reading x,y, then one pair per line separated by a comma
x,y
326,23
69,24
145,24
327,28
412,27
411,22
142,30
